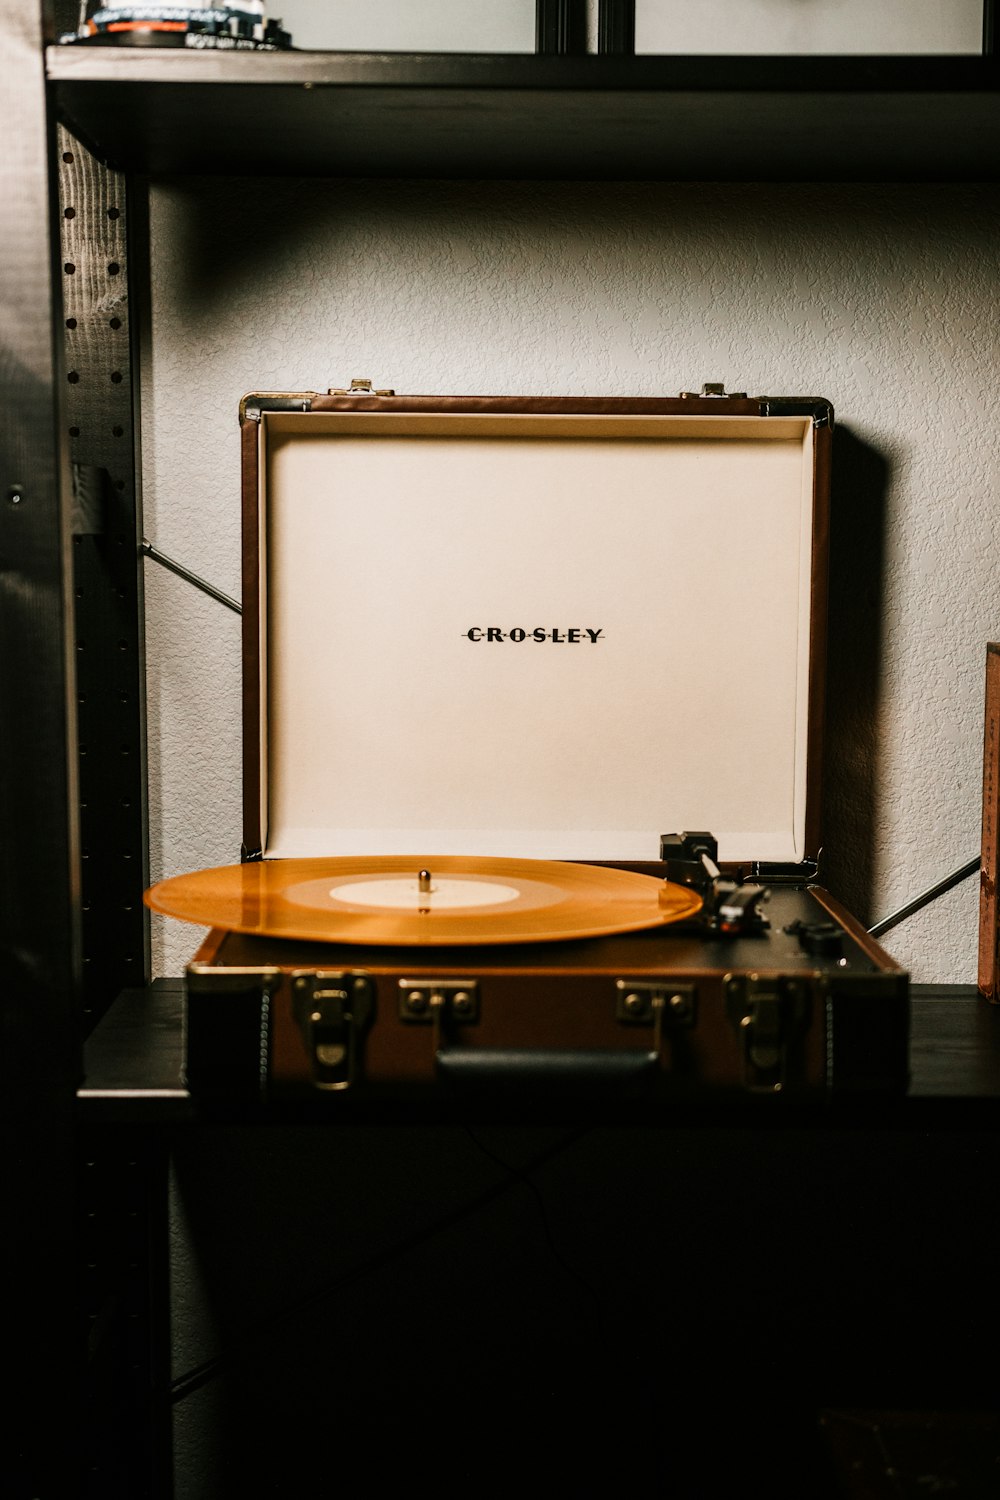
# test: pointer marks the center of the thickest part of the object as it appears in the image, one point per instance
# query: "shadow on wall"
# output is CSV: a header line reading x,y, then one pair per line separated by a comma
x,y
854,657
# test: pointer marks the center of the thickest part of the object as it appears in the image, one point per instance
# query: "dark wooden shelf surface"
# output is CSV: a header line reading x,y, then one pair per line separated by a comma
x,y
134,1063
483,116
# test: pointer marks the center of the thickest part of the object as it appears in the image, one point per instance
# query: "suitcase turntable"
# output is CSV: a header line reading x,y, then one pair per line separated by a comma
x,y
479,669
608,979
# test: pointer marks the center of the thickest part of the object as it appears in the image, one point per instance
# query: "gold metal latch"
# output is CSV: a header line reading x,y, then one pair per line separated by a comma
x,y
771,1014
334,1009
433,1001
657,1003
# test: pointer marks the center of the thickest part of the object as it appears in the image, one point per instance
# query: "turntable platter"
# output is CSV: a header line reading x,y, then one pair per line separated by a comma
x,y
402,900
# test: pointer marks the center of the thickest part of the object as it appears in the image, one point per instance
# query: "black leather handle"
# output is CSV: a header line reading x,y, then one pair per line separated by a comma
x,y
552,1068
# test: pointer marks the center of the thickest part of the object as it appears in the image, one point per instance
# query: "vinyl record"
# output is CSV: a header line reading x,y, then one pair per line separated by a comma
x,y
407,901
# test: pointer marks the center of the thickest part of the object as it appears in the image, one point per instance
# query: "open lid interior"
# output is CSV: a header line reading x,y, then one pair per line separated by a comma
x,y
533,635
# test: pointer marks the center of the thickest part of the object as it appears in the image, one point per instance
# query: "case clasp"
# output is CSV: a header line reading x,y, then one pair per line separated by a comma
x,y
334,1010
439,1001
770,1014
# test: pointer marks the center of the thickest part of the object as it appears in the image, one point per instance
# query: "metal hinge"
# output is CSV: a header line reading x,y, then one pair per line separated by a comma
x,y
816,407
251,407
778,872
358,388
716,390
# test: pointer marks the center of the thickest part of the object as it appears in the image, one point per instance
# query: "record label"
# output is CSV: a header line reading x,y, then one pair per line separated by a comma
x,y
406,893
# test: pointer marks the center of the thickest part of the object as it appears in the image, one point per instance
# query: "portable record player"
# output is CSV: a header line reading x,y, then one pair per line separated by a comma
x,y
493,648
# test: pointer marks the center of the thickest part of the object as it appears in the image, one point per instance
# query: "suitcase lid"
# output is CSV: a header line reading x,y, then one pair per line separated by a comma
x,y
550,628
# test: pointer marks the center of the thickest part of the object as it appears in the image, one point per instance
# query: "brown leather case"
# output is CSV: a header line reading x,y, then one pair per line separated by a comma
x,y
807,1005
811,1006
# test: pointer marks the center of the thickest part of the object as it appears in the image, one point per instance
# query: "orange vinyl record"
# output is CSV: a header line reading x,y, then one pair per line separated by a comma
x,y
407,901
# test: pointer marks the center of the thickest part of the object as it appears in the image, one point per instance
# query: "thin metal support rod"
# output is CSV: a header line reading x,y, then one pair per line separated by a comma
x,y
989,27
925,898
155,555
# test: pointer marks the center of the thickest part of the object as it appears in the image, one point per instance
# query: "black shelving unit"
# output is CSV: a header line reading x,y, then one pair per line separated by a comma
x,y
132,114
569,117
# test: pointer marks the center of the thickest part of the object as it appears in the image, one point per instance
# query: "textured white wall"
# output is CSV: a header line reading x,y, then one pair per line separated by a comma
x,y
809,26
665,26
880,298
401,26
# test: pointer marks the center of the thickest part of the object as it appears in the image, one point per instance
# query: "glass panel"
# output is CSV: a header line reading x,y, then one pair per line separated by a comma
x,y
876,27
404,26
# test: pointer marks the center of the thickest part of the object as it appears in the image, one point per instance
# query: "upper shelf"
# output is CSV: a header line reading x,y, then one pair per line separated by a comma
x,y
479,116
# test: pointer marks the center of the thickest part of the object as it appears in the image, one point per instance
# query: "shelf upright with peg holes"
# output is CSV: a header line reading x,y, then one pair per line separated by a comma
x,y
87,1211
39,911
95,210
